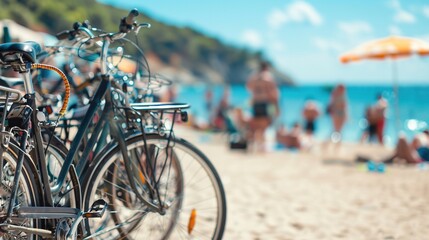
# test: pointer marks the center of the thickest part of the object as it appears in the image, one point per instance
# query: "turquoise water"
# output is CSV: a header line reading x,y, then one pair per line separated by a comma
x,y
413,107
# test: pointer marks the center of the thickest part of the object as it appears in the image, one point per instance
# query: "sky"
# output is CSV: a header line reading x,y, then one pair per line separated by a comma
x,y
304,38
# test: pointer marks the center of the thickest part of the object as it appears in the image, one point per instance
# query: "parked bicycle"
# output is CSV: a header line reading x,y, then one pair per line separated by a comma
x,y
145,182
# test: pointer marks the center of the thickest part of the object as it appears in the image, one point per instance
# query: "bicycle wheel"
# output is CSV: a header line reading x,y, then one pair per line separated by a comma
x,y
28,193
202,214
55,155
190,190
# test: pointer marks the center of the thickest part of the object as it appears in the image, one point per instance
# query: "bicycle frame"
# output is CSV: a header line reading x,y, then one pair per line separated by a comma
x,y
115,131
47,211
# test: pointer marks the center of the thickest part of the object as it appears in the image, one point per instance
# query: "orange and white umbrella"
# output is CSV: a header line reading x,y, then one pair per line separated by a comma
x,y
390,47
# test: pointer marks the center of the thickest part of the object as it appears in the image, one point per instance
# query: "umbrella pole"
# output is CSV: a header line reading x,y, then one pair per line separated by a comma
x,y
396,97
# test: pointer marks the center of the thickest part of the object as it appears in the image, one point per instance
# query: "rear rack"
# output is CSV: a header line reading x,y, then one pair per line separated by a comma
x,y
12,95
159,106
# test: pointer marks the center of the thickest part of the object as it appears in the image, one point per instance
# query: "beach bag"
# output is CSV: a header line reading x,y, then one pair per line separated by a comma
x,y
237,141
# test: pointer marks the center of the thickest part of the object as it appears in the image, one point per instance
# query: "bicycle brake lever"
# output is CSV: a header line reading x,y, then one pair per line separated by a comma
x,y
141,25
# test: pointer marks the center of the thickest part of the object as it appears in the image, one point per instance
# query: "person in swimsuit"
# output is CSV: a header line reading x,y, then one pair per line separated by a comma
x,y
338,111
310,113
380,108
414,152
220,112
370,132
264,99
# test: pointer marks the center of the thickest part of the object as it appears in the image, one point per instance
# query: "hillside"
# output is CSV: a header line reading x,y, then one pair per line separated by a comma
x,y
182,52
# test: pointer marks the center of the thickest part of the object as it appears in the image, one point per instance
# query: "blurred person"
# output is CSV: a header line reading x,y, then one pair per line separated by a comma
x,y
219,119
310,113
209,101
370,132
265,103
290,139
416,151
380,108
337,109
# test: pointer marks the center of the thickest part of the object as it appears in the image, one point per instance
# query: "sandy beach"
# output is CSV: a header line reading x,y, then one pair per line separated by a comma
x,y
320,194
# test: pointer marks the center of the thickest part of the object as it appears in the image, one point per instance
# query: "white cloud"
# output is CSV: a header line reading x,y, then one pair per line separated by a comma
x,y
327,45
276,18
401,15
298,11
301,11
394,30
355,28
426,11
251,38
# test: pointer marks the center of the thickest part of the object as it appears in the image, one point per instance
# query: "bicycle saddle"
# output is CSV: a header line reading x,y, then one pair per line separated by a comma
x,y
19,52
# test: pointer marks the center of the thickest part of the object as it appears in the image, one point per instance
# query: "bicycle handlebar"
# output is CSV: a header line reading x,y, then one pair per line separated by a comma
x,y
83,32
126,25
130,18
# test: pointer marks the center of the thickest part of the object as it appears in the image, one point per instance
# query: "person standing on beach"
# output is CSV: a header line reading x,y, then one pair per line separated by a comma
x,y
371,129
310,113
219,118
337,109
208,97
380,109
265,103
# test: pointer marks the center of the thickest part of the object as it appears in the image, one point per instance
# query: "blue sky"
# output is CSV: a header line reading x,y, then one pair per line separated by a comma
x,y
304,38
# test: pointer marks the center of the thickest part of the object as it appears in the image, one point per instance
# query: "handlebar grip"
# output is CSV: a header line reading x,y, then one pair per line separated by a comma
x,y
76,25
131,16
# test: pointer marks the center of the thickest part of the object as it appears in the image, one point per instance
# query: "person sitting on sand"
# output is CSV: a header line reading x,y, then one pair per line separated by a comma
x,y
291,139
415,152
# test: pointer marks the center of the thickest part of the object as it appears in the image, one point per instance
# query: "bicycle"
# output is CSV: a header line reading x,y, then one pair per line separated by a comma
x,y
22,57
21,159
220,216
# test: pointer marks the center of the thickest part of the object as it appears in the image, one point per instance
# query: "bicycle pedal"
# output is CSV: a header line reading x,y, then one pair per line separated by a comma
x,y
97,209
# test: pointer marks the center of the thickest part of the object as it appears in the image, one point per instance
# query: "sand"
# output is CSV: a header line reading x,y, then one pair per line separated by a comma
x,y
320,194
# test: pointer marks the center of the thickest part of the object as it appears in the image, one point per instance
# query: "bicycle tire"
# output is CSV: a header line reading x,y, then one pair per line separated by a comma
x,y
176,221
29,188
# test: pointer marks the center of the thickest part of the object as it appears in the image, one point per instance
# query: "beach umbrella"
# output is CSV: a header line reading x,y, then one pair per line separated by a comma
x,y
392,48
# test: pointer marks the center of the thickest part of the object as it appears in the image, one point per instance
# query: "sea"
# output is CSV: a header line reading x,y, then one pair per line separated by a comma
x,y
407,113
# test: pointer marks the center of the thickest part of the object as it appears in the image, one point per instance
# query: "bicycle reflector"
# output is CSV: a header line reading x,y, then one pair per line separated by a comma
x,y
192,221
